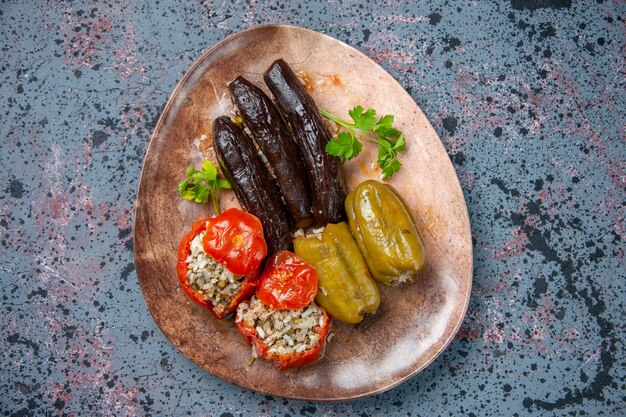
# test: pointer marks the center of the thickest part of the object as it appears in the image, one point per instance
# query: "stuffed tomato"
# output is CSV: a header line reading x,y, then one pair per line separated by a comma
x,y
282,322
219,259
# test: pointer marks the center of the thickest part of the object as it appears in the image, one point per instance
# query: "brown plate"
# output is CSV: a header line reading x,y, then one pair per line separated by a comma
x,y
415,322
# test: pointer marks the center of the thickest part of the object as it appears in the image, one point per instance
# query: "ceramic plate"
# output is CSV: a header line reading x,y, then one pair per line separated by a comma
x,y
415,322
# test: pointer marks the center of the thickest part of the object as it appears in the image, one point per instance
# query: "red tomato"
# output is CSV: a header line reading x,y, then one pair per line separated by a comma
x,y
235,239
247,287
287,282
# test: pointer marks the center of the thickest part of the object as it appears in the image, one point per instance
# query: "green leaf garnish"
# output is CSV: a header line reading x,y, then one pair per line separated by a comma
x,y
347,145
203,184
344,145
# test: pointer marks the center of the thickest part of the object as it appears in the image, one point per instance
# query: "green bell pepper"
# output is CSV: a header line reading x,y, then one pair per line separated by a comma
x,y
346,289
385,231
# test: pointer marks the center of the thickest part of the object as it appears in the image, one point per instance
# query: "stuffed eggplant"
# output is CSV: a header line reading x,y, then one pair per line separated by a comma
x,y
311,135
256,191
271,136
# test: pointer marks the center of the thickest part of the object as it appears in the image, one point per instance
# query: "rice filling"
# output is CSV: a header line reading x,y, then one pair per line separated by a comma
x,y
283,331
210,278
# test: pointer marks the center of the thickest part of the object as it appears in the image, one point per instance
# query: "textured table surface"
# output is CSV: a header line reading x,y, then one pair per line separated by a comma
x,y
528,98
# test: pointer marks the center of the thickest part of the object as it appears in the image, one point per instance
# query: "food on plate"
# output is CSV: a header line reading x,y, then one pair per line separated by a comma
x,y
202,184
253,186
288,282
386,233
235,240
285,311
282,322
290,338
346,144
210,283
266,125
311,134
346,289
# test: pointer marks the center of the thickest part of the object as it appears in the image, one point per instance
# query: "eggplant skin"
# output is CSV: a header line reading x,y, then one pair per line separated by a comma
x,y
272,137
252,184
311,135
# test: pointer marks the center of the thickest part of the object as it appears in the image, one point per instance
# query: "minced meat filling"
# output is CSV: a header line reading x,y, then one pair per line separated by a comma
x,y
210,278
283,331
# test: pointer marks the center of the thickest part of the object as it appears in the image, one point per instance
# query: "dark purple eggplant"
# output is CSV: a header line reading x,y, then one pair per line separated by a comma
x,y
311,135
256,191
272,137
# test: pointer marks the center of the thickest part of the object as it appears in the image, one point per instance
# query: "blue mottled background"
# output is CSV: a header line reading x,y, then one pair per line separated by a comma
x,y
528,97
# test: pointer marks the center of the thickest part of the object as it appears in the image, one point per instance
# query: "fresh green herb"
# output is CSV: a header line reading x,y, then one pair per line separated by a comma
x,y
347,145
200,185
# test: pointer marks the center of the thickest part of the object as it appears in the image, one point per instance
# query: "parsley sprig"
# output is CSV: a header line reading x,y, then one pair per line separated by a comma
x,y
200,185
346,144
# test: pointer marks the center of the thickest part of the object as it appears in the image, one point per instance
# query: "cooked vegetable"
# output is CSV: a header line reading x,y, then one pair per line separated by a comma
x,y
385,231
253,186
271,135
287,282
289,338
390,140
346,289
311,135
208,282
235,239
200,185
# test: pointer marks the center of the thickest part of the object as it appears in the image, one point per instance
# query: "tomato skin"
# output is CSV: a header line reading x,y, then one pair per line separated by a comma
x,y
248,287
184,249
287,282
235,239
291,360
